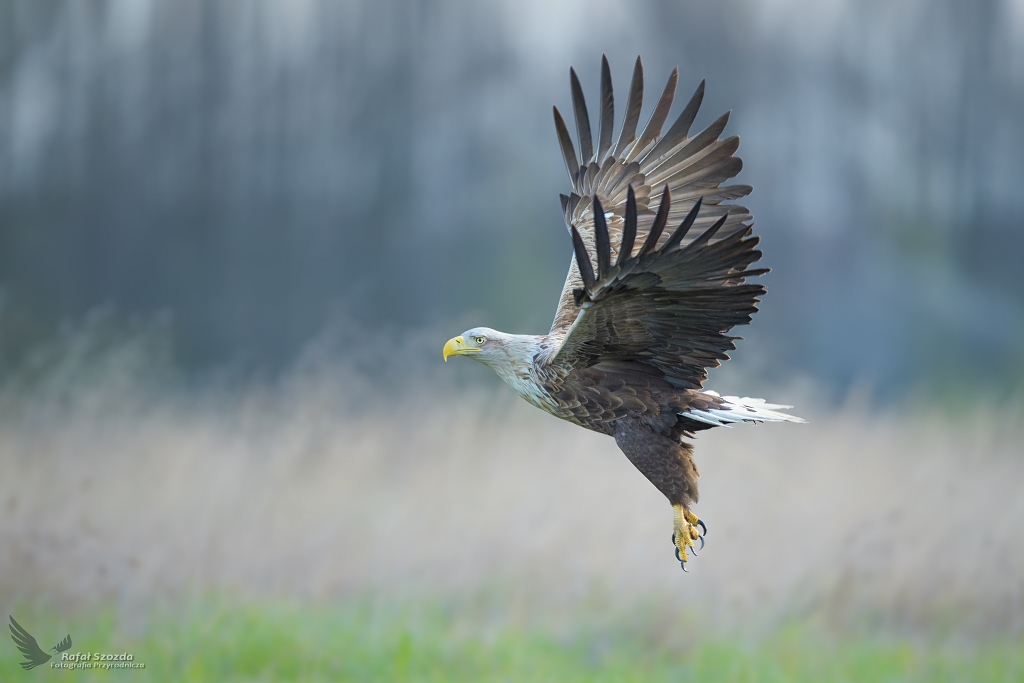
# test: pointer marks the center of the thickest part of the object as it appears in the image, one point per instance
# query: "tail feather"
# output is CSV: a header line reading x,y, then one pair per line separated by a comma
x,y
733,409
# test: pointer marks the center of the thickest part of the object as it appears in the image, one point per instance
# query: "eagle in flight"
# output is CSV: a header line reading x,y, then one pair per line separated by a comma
x,y
658,278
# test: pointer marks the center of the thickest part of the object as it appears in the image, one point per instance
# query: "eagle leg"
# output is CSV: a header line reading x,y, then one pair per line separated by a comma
x,y
668,464
685,532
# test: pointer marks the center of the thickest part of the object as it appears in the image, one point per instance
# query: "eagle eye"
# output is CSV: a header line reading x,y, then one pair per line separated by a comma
x,y
480,340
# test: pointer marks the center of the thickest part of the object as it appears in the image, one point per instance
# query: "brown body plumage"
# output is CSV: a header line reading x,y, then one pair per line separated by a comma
x,y
650,297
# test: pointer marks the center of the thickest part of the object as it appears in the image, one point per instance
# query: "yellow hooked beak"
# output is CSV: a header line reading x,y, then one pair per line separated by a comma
x,y
456,346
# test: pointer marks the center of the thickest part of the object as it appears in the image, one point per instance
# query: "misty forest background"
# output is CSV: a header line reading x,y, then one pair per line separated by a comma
x,y
260,171
235,235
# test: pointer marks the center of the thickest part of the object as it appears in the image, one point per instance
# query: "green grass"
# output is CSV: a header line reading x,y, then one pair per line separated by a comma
x,y
360,642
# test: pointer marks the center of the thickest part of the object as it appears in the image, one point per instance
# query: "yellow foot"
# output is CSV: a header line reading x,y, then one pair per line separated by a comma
x,y
685,532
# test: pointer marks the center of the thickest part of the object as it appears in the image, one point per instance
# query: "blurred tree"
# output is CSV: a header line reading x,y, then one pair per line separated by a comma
x,y
256,166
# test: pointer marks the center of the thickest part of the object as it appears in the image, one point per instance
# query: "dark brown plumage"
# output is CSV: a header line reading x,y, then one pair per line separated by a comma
x,y
638,327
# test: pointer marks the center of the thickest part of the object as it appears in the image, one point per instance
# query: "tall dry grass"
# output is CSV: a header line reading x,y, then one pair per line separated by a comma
x,y
318,488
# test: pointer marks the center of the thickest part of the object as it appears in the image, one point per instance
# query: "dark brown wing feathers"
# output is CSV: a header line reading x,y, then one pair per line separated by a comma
x,y
669,309
653,128
687,223
586,269
633,106
568,152
690,168
603,244
579,108
660,221
628,229
677,133
607,111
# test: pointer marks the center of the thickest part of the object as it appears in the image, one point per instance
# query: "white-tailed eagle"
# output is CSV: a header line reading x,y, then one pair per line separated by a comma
x,y
658,278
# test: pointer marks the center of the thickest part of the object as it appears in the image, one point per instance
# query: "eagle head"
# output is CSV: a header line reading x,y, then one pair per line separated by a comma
x,y
480,343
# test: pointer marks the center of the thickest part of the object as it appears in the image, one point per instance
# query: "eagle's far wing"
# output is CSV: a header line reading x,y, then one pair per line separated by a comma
x,y
669,307
691,167
28,646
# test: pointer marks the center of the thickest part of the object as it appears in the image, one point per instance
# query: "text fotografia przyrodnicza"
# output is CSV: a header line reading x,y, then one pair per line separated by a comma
x,y
97,660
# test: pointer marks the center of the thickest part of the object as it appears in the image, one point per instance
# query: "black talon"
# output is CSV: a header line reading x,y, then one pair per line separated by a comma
x,y
677,556
683,565
701,543
673,538
702,526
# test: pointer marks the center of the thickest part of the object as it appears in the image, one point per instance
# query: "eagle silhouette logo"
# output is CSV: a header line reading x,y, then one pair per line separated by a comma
x,y
34,656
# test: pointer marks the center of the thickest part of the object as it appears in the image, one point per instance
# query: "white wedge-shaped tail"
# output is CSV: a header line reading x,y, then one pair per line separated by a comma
x,y
735,409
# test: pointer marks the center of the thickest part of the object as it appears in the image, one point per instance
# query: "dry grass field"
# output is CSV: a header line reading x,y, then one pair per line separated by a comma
x,y
320,494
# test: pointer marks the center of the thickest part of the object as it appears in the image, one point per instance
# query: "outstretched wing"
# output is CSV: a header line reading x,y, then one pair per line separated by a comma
x,y
28,646
64,645
670,306
691,167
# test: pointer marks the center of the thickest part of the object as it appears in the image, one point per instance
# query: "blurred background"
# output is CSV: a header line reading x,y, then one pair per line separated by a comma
x,y
259,170
235,235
